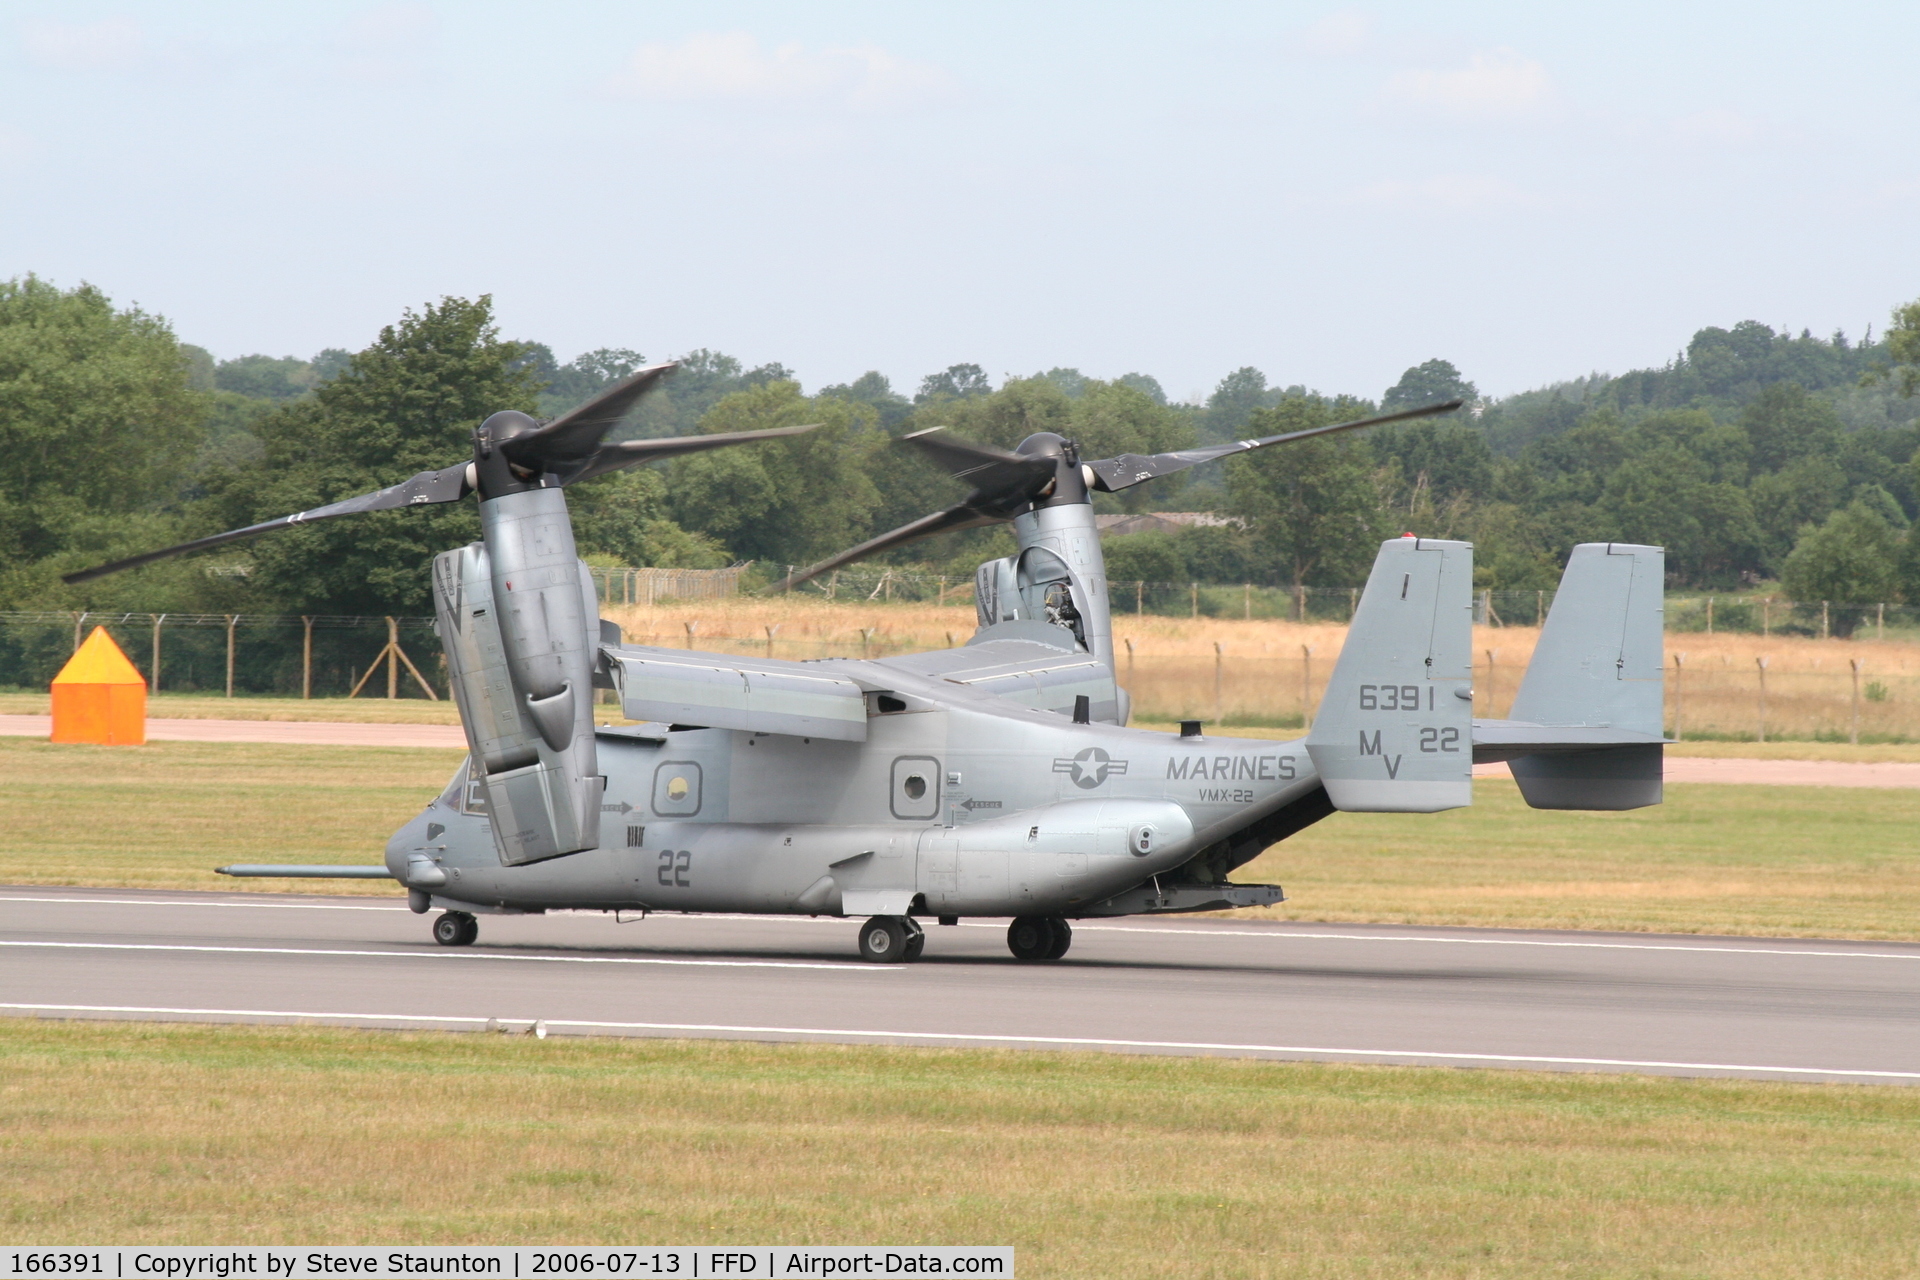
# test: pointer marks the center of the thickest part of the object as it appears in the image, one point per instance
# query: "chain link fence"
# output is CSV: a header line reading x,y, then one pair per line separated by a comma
x,y
287,655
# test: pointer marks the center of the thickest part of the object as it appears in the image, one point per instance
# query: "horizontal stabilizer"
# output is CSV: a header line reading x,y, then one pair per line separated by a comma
x,y
1496,740
1394,733
1586,731
761,697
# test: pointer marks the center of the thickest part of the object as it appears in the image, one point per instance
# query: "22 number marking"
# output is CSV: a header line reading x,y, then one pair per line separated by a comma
x,y
675,868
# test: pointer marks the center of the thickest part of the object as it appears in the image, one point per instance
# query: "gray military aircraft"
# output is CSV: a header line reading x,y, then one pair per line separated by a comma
x,y
993,779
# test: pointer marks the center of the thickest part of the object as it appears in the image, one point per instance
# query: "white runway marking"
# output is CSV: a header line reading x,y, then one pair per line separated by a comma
x,y
461,954
1063,1041
1290,934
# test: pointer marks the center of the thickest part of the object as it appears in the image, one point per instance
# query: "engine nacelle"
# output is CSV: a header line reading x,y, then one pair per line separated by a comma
x,y
523,678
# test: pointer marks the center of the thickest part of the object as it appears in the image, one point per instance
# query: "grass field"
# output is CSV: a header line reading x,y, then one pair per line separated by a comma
x,y
1089,1164
1805,861
164,815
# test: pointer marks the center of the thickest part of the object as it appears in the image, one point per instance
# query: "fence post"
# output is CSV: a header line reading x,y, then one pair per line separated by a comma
x,y
943,591
79,621
306,658
1762,663
1853,731
1679,697
772,631
1824,635
1540,608
1194,587
1129,657
233,620
1139,597
1880,622
1709,615
158,618
866,639
693,629
1306,686
1219,660
1492,710
1353,603
393,659
1300,602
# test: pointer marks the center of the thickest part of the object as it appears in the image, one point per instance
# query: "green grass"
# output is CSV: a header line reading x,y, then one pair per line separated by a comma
x,y
1089,1164
164,815
1807,861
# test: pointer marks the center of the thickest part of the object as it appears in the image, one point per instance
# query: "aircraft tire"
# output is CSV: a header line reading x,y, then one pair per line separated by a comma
x,y
883,940
1062,937
916,943
455,929
1030,938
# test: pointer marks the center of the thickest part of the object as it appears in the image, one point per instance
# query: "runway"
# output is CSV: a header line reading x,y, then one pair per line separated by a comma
x,y
1681,1005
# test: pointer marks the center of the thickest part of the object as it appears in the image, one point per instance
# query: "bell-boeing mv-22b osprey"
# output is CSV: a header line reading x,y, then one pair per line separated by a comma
x,y
994,779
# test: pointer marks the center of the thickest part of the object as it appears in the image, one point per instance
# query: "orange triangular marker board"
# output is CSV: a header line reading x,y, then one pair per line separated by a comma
x,y
99,661
99,696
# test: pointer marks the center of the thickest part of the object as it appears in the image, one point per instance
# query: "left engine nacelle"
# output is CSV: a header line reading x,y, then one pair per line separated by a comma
x,y
526,700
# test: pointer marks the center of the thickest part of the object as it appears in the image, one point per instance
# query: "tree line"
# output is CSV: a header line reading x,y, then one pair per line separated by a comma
x,y
1754,456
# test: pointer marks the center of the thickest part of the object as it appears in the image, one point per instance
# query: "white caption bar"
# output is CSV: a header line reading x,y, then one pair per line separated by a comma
x,y
507,1262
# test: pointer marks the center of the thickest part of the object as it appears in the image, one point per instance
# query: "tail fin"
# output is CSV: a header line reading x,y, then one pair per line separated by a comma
x,y
1587,724
1394,731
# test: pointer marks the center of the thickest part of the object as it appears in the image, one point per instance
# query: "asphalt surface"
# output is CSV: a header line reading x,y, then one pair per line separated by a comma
x,y
1681,1005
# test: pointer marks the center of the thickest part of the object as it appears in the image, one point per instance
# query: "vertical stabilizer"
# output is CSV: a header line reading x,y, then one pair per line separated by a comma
x,y
1598,660
1394,731
1597,668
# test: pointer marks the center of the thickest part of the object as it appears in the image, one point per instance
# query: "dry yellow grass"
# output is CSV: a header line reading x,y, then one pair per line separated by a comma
x,y
1259,673
1263,671
1088,1164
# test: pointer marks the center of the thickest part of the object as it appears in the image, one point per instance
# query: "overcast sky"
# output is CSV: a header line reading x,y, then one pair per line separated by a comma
x,y
1331,194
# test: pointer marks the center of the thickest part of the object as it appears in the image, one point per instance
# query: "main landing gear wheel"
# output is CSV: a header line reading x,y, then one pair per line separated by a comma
x,y
1033,938
456,929
890,939
1062,937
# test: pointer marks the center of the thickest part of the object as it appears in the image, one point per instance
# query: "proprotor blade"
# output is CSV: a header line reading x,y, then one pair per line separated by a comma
x,y
631,453
960,517
576,434
445,485
1113,474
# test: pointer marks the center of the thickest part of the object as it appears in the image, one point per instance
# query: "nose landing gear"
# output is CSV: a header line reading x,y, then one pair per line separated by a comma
x,y
456,929
1039,937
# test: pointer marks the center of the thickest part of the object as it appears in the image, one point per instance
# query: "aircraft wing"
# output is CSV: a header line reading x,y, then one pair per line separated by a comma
x,y
765,696
1031,674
